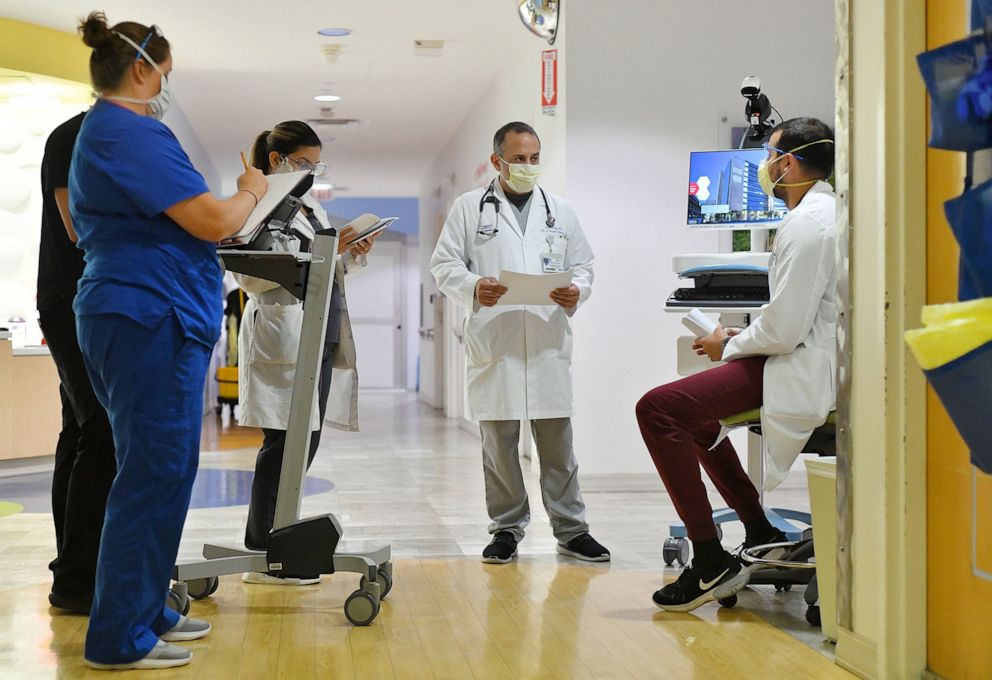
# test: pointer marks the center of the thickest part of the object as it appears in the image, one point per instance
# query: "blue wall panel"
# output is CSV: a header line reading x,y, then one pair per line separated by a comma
x,y
407,209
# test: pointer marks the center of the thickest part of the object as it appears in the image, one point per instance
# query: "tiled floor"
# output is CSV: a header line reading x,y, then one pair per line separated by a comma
x,y
413,479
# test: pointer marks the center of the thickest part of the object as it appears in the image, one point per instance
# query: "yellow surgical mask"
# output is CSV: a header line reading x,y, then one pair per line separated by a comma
x,y
764,177
522,176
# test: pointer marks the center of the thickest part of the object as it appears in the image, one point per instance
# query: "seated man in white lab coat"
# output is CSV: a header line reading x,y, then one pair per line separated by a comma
x,y
784,362
519,356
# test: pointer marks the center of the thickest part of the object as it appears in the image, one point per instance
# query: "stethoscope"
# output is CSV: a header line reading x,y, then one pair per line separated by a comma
x,y
489,196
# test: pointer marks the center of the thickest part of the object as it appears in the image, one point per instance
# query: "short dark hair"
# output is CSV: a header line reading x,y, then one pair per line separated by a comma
x,y
516,127
798,132
284,139
112,56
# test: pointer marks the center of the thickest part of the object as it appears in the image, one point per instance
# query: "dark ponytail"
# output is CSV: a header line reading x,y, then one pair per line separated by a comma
x,y
260,152
284,139
112,57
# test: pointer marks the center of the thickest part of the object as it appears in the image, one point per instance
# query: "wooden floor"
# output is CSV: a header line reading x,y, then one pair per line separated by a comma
x,y
413,479
444,619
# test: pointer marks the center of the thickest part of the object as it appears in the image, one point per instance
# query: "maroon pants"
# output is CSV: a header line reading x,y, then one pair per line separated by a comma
x,y
679,423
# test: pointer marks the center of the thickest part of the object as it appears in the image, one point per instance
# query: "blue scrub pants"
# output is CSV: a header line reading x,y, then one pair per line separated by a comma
x,y
150,381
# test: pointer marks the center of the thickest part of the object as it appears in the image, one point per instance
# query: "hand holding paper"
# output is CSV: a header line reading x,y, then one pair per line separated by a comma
x,y
566,297
488,291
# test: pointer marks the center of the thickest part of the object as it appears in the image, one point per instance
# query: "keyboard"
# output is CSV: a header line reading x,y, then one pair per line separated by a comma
x,y
723,296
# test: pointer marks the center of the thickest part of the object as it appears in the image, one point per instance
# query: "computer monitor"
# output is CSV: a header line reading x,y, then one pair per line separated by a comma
x,y
724,192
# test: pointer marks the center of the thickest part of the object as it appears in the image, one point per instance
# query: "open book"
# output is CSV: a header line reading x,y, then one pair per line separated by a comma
x,y
367,225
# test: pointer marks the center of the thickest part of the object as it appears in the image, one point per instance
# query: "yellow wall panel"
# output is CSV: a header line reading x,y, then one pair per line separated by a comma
x,y
36,49
959,633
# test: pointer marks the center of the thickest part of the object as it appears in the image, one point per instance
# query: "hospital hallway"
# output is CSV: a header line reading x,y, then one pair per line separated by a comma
x,y
413,479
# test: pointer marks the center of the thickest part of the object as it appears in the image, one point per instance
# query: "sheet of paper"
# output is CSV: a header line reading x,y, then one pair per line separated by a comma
x,y
280,184
699,323
531,289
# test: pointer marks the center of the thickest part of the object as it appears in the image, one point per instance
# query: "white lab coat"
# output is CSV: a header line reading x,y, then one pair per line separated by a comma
x,y
797,330
269,340
518,357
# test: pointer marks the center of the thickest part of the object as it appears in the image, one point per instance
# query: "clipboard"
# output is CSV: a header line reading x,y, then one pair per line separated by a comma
x,y
279,204
364,229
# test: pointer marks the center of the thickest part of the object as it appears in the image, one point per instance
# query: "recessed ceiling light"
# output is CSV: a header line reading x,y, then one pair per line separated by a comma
x,y
327,98
335,32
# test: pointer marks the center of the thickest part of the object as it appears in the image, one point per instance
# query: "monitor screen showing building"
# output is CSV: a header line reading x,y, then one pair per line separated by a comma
x,y
724,192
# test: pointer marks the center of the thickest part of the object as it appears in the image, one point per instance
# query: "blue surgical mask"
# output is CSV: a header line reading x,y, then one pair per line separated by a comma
x,y
158,105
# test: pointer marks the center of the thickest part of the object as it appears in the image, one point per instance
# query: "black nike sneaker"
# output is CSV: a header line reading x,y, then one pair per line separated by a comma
x,y
501,550
696,586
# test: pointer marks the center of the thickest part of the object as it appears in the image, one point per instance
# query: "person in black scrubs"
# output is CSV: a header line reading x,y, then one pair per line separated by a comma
x,y
84,456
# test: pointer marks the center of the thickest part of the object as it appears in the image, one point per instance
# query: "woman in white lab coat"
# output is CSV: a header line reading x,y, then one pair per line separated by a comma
x,y
270,337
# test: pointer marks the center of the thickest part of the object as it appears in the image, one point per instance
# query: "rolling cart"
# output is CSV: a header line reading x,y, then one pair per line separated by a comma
x,y
298,547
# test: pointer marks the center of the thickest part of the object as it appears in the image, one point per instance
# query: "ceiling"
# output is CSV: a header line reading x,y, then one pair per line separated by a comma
x,y
240,67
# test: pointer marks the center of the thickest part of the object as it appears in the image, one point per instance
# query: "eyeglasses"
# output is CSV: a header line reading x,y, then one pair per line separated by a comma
x,y
769,148
315,169
154,31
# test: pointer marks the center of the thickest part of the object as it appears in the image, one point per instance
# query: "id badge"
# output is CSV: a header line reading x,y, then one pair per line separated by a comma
x,y
552,263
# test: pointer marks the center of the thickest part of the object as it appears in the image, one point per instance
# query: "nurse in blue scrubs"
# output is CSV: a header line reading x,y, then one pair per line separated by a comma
x,y
148,313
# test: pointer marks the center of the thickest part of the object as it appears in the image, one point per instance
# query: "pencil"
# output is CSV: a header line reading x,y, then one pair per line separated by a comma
x,y
244,161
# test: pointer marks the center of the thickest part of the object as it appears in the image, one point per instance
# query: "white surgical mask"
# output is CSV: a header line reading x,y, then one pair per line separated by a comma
x,y
522,176
160,103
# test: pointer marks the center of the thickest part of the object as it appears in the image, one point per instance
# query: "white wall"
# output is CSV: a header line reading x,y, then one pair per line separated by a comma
x,y
179,124
411,311
463,163
25,124
646,85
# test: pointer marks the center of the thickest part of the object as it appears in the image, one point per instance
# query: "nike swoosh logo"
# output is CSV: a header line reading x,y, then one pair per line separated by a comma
x,y
706,586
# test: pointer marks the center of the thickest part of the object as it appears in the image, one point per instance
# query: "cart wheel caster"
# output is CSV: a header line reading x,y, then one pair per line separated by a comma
x,y
813,615
200,588
728,602
384,578
361,608
177,602
783,588
676,549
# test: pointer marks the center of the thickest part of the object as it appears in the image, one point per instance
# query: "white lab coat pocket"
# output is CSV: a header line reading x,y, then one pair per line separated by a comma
x,y
276,334
494,333
799,392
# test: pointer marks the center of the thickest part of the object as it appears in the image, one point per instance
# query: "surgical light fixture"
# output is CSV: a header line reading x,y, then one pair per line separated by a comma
x,y
541,17
327,98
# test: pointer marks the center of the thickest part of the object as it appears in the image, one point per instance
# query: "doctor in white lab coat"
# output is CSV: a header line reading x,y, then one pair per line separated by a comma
x,y
269,338
785,362
518,357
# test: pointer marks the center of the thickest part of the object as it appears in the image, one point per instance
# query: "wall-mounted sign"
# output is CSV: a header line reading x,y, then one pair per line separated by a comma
x,y
549,82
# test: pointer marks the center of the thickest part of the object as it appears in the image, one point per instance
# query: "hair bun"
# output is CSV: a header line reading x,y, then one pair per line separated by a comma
x,y
95,30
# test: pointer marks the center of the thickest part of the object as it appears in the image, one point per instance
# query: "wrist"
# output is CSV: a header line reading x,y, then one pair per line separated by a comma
x,y
250,193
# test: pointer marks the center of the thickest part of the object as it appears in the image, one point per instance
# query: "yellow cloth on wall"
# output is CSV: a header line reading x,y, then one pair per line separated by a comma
x,y
951,331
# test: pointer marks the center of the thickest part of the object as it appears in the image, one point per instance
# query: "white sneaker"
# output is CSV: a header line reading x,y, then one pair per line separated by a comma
x,y
163,655
260,578
187,629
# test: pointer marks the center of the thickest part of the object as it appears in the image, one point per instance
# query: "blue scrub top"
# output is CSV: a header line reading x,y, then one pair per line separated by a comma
x,y
127,169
